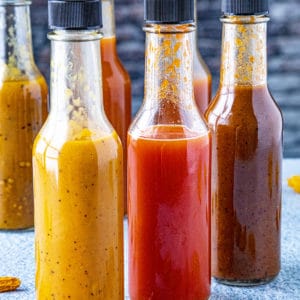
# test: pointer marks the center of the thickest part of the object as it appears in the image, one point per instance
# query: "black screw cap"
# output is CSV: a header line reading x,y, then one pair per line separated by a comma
x,y
74,14
169,11
245,7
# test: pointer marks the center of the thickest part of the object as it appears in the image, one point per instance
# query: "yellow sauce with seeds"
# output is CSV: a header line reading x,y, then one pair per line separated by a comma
x,y
79,218
23,109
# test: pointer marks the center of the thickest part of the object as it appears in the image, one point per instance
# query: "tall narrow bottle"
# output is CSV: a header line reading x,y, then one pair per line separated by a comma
x,y
169,166
116,82
246,127
201,75
23,109
77,164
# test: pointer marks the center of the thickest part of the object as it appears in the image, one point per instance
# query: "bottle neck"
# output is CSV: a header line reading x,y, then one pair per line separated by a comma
x,y
196,53
168,67
244,52
16,56
76,82
194,34
108,14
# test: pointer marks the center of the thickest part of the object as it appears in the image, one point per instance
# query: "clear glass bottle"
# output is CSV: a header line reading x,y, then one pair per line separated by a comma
x,y
246,126
169,167
116,82
23,110
78,169
201,75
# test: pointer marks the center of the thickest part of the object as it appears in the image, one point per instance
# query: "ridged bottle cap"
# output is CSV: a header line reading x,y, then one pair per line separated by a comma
x,y
74,14
169,11
245,7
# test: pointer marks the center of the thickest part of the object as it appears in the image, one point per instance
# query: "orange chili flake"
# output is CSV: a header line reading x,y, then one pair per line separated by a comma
x,y
294,183
8,284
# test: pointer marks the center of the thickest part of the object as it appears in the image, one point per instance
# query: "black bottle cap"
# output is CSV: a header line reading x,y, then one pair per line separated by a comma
x,y
74,14
169,11
245,7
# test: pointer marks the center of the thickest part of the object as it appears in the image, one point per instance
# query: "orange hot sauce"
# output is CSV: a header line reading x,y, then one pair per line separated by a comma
x,y
201,74
202,90
116,94
116,89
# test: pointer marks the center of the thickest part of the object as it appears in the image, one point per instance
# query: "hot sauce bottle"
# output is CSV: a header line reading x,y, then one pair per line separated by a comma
x,y
116,82
201,75
77,164
23,110
246,126
169,166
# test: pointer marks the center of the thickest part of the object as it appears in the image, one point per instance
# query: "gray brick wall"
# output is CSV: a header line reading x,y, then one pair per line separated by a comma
x,y
283,42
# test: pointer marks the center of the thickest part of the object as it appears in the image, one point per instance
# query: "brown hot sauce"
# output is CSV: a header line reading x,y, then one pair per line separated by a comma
x,y
246,128
246,194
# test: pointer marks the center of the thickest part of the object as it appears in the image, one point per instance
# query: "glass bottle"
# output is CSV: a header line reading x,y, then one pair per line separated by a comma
x,y
201,75
77,164
23,109
169,167
246,126
116,82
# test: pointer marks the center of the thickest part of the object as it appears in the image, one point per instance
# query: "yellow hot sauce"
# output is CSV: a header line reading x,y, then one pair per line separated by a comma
x,y
23,109
79,235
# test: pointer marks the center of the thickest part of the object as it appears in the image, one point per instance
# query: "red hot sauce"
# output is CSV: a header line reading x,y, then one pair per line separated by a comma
x,y
169,175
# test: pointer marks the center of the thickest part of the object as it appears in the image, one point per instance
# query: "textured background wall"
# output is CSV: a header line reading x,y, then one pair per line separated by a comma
x,y
283,42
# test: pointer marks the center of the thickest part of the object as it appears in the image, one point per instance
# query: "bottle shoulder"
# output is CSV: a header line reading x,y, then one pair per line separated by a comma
x,y
112,66
245,109
14,72
243,101
28,91
200,68
167,118
114,70
51,146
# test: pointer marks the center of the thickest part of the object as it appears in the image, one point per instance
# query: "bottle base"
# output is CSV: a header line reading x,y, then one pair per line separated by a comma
x,y
245,283
17,230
